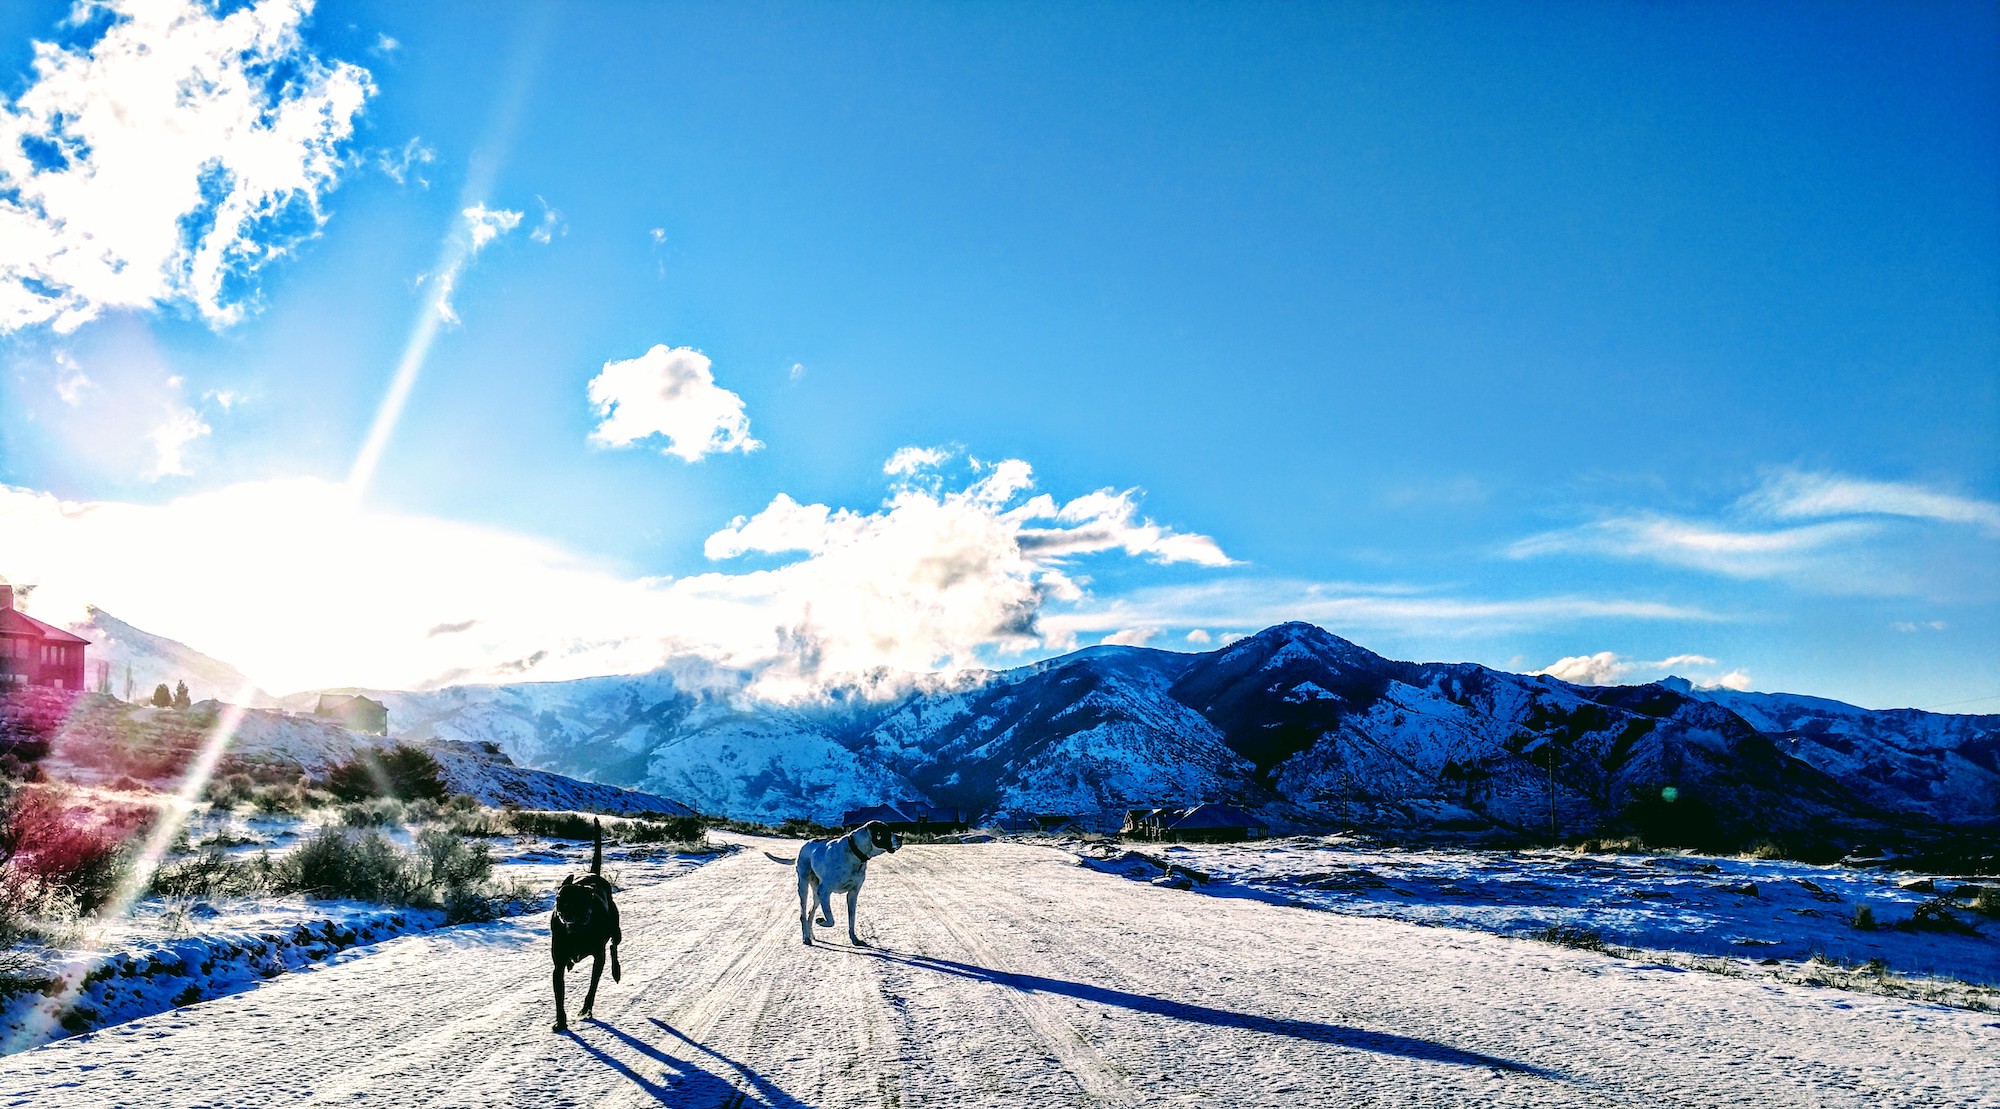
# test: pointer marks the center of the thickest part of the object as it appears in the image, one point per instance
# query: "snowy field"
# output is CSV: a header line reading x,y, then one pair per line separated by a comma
x,y
1749,909
1010,975
170,952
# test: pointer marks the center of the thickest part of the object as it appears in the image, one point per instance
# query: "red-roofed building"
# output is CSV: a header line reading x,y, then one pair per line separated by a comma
x,y
34,653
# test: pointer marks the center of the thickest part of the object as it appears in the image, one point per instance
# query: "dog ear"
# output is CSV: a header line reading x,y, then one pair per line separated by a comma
x,y
567,879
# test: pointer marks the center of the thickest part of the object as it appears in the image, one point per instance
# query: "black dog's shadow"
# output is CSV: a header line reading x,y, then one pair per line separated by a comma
x,y
1339,1035
682,1083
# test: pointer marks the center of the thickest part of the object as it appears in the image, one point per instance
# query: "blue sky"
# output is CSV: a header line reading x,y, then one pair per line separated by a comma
x,y
1614,334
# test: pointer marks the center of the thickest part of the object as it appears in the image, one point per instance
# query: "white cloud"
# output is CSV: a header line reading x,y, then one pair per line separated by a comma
x,y
1611,668
658,235
670,392
1823,532
908,460
798,370
385,45
931,579
170,438
1199,635
487,224
549,226
1919,625
402,166
167,162
1739,553
1130,637
1107,520
1792,495
71,382
483,225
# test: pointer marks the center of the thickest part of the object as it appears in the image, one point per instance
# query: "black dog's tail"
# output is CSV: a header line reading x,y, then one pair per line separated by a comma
x,y
597,850
780,858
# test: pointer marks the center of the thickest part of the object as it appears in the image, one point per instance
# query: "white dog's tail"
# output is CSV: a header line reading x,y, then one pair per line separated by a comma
x,y
780,858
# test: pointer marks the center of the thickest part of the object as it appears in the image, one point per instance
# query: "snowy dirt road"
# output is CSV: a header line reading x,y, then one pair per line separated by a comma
x,y
1010,976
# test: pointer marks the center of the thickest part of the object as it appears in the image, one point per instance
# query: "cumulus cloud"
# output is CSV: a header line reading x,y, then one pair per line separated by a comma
x,y
908,460
167,161
1611,668
669,392
1108,520
931,579
1199,635
1130,637
934,577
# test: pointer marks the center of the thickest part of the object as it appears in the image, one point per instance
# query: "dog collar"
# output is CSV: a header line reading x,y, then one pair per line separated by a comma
x,y
856,850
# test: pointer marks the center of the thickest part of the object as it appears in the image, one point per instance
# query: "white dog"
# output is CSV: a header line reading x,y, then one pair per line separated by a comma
x,y
837,865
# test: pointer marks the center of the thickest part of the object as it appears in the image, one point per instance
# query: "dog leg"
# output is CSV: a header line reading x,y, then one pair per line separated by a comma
x,y
825,907
596,972
805,904
853,896
617,937
562,1017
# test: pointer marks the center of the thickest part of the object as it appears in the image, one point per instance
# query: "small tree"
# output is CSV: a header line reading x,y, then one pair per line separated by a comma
x,y
162,698
181,698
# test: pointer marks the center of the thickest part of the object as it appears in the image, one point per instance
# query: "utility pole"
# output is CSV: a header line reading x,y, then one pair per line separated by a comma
x,y
1552,790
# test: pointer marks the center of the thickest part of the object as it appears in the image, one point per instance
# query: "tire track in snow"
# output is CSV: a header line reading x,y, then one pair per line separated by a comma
x,y
1009,978
1093,1071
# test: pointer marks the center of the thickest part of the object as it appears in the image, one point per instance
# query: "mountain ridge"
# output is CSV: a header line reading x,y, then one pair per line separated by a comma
x,y
1296,723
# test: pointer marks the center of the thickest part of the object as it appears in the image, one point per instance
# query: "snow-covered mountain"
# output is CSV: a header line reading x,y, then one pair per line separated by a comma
x,y
1297,723
140,660
1301,725
1946,766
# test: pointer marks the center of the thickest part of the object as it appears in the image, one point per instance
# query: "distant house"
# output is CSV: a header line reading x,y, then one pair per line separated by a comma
x,y
909,816
34,653
1053,822
362,714
1208,823
888,814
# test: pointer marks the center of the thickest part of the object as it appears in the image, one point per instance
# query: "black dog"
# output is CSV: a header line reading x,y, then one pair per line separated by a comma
x,y
585,921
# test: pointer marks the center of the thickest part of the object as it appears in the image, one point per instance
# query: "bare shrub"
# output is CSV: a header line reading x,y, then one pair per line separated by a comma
x,y
209,874
1566,935
354,863
228,792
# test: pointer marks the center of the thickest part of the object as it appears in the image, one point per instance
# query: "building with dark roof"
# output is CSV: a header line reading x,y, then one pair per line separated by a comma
x,y
1213,823
362,714
34,653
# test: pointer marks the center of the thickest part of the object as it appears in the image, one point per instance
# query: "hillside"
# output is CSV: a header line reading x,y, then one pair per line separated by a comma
x,y
149,660
1302,726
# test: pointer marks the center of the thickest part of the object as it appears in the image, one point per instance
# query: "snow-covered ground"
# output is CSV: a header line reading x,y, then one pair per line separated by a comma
x,y
171,952
1009,975
1705,905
